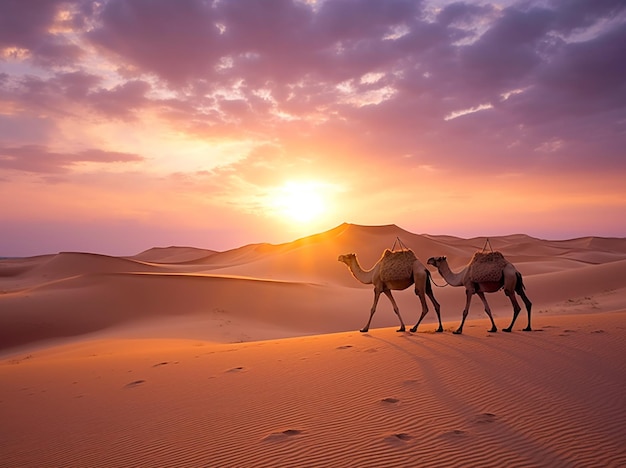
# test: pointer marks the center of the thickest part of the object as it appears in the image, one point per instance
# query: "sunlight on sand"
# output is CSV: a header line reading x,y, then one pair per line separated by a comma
x,y
251,357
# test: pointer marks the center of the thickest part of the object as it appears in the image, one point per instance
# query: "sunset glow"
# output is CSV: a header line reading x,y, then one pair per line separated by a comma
x,y
301,202
185,123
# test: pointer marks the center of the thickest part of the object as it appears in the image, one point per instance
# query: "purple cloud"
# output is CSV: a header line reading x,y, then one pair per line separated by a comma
x,y
122,100
25,25
22,25
38,159
526,87
175,40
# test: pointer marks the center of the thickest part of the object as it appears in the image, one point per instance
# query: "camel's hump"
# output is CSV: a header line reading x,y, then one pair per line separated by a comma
x,y
488,257
487,266
397,264
399,255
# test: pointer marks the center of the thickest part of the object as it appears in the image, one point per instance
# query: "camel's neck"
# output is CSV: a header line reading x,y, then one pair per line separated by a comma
x,y
452,278
364,276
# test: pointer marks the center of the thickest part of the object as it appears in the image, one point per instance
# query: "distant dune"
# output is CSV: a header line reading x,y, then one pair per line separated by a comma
x,y
180,356
173,254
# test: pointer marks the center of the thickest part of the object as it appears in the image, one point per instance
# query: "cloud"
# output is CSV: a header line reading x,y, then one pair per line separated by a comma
x,y
21,25
36,31
175,40
38,159
233,96
299,53
122,100
590,74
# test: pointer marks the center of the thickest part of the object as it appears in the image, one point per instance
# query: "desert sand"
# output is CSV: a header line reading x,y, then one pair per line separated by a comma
x,y
181,356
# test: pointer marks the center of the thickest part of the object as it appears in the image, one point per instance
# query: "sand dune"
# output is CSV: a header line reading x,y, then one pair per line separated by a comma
x,y
550,398
189,357
173,254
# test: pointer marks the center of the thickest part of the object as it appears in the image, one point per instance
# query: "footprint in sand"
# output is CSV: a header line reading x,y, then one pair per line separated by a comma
x,y
390,401
134,384
237,369
283,435
348,346
398,438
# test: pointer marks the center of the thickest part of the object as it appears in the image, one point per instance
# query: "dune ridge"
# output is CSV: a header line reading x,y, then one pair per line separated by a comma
x,y
72,293
250,358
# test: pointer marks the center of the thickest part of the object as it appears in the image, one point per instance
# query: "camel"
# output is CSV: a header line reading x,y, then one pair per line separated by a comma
x,y
396,270
486,273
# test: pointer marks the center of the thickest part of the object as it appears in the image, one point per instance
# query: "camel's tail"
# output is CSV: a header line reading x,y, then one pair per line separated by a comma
x,y
519,286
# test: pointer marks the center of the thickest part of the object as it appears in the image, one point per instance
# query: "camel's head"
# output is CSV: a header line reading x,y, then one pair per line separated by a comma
x,y
436,261
347,258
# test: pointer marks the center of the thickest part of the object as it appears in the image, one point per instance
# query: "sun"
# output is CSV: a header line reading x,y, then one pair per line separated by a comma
x,y
301,202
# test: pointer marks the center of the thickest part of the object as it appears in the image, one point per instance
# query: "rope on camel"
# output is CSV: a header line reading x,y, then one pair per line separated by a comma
x,y
403,246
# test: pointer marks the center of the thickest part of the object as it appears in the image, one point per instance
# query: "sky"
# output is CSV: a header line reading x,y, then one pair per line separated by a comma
x,y
131,124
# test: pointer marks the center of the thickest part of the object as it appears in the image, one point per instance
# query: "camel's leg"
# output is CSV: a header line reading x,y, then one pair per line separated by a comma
x,y
517,308
372,311
468,294
429,292
437,309
529,306
422,297
488,311
395,309
519,289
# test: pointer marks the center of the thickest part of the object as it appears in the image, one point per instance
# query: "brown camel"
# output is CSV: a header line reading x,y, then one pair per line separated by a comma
x,y
395,271
486,273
